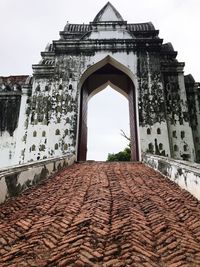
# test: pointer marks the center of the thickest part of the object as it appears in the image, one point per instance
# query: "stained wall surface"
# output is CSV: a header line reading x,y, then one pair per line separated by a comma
x,y
47,114
185,174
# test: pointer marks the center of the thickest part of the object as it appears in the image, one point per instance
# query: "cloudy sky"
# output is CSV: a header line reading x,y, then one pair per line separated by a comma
x,y
28,25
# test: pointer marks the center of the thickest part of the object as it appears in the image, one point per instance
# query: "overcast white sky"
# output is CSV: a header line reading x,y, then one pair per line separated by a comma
x,y
28,25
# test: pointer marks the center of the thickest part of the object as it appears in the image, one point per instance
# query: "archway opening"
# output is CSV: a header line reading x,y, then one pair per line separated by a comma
x,y
108,112
99,79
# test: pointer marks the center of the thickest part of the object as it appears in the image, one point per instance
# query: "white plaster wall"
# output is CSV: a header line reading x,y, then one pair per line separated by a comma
x,y
77,65
186,127
176,140
183,173
28,171
129,60
181,142
106,33
7,148
196,133
51,137
162,138
3,189
109,15
21,130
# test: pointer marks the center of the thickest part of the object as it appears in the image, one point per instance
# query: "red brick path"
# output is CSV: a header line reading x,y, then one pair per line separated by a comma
x,y
102,214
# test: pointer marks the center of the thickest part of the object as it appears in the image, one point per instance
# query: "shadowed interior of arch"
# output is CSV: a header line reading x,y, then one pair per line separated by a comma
x,y
106,75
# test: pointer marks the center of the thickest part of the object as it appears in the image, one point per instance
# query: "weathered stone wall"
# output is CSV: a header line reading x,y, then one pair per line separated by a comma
x,y
48,123
9,115
52,112
180,134
12,97
53,109
10,103
21,177
151,105
193,100
9,112
51,118
185,174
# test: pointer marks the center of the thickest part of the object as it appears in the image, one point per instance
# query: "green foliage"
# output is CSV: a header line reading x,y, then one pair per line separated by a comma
x,y
120,156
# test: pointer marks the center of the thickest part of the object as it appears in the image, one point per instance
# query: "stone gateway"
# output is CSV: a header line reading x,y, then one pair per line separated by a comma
x,y
45,115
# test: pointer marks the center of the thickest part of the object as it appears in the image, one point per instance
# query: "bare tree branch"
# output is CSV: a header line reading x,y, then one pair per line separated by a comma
x,y
125,136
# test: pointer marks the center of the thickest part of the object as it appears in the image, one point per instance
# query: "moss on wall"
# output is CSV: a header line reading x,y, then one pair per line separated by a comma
x,y
9,113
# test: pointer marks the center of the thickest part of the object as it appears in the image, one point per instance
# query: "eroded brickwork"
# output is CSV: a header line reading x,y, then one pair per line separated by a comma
x,y
102,214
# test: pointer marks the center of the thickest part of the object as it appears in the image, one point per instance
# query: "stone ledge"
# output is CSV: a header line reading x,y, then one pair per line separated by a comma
x,y
20,177
186,174
10,93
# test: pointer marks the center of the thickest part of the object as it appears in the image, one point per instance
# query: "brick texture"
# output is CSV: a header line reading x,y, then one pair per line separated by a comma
x,y
101,214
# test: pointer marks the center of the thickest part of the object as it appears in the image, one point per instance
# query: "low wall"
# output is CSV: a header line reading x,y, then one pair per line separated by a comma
x,y
20,177
186,174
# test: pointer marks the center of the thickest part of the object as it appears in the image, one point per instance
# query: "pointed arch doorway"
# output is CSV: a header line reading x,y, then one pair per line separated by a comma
x,y
95,79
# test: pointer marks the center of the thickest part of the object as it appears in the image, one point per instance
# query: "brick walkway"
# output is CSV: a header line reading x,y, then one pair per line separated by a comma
x,y
102,214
